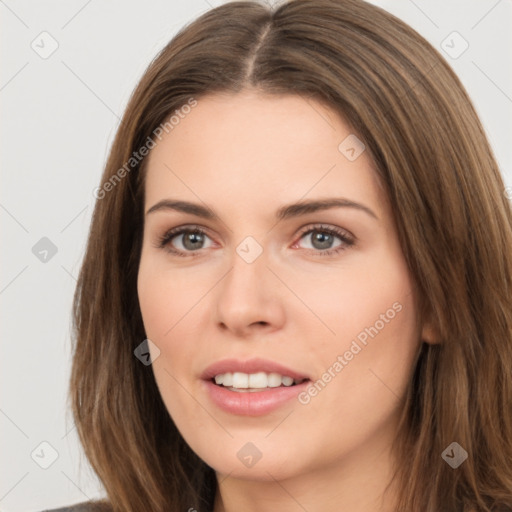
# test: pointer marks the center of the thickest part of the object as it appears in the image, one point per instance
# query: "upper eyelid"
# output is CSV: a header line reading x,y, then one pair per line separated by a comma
x,y
322,226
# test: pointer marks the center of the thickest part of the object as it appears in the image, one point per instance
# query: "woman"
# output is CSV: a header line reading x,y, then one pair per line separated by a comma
x,y
296,289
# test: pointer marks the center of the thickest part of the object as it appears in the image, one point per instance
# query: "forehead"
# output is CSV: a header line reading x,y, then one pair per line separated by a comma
x,y
255,149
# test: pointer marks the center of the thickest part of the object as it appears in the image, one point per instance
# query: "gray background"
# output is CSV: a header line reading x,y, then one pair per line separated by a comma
x,y
60,113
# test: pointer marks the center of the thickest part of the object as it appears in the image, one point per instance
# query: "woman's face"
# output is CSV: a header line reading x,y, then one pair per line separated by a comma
x,y
269,293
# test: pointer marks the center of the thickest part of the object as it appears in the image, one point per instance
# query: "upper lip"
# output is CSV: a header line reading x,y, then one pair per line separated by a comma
x,y
250,366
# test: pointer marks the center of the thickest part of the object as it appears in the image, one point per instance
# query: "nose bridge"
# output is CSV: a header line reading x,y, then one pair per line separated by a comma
x,y
247,294
249,272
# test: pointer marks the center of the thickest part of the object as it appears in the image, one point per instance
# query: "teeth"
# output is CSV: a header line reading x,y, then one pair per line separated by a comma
x,y
260,380
240,380
287,381
257,380
274,380
227,379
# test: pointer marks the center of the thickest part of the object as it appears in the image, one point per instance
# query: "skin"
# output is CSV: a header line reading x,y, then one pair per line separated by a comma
x,y
244,156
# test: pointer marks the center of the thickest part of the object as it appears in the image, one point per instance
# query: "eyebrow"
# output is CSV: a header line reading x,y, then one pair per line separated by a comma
x,y
283,213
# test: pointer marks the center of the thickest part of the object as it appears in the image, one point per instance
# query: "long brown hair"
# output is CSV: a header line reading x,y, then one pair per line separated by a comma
x,y
454,221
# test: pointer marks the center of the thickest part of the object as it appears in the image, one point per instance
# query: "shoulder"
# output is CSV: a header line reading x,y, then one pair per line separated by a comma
x,y
86,506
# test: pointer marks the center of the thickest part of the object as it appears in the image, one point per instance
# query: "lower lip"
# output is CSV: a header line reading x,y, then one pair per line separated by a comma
x,y
252,403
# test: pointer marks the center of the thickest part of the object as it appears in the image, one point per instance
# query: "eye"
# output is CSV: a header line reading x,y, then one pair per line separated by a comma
x,y
182,240
188,240
322,239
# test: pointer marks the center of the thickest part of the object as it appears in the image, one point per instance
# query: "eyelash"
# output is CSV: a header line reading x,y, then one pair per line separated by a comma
x,y
163,241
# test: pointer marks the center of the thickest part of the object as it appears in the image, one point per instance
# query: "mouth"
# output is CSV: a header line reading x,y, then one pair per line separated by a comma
x,y
253,387
253,382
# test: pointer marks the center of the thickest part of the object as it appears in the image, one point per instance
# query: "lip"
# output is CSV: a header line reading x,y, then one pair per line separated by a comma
x,y
251,403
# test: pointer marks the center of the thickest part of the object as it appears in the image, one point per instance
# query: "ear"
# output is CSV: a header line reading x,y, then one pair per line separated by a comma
x,y
429,334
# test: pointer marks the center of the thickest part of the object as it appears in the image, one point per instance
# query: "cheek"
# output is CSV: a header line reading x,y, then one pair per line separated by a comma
x,y
165,297
355,301
371,309
164,303
171,302
371,358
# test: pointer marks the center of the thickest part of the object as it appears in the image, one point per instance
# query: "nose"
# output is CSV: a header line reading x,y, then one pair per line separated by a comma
x,y
249,300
